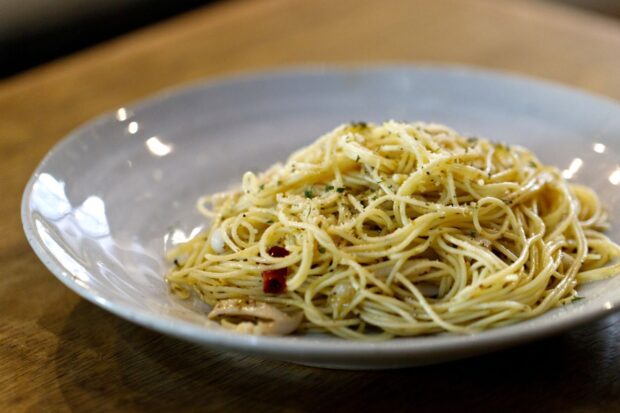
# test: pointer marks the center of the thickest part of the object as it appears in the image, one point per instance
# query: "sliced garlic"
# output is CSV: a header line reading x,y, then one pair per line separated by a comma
x,y
267,320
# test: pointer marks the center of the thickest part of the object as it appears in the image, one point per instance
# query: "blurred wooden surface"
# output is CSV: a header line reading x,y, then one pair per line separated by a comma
x,y
60,353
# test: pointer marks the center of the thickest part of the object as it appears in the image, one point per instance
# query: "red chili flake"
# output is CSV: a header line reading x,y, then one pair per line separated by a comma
x,y
274,281
277,252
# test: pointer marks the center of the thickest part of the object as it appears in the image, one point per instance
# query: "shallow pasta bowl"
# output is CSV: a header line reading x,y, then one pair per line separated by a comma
x,y
104,205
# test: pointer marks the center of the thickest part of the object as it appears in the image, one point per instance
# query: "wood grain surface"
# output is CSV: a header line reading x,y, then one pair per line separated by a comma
x,y
59,353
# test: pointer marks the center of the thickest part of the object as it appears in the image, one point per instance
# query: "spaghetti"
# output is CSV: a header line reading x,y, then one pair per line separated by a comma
x,y
398,229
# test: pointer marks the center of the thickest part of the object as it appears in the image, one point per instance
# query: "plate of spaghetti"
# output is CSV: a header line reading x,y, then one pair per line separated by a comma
x,y
349,218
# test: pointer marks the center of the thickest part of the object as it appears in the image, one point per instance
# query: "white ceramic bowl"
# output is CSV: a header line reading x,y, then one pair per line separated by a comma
x,y
104,204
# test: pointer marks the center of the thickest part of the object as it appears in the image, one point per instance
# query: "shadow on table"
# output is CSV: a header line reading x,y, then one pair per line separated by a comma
x,y
115,365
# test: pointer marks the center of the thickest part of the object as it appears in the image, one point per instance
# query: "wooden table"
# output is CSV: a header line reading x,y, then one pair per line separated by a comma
x,y
61,353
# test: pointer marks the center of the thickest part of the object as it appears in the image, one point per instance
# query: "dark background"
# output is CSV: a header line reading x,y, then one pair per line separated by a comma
x,y
43,35
33,32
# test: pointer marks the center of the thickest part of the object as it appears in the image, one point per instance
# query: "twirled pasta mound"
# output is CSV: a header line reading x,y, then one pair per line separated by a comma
x,y
399,229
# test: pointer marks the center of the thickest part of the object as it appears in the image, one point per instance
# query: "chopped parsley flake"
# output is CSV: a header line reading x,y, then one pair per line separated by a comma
x,y
340,190
321,249
308,194
329,187
359,124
